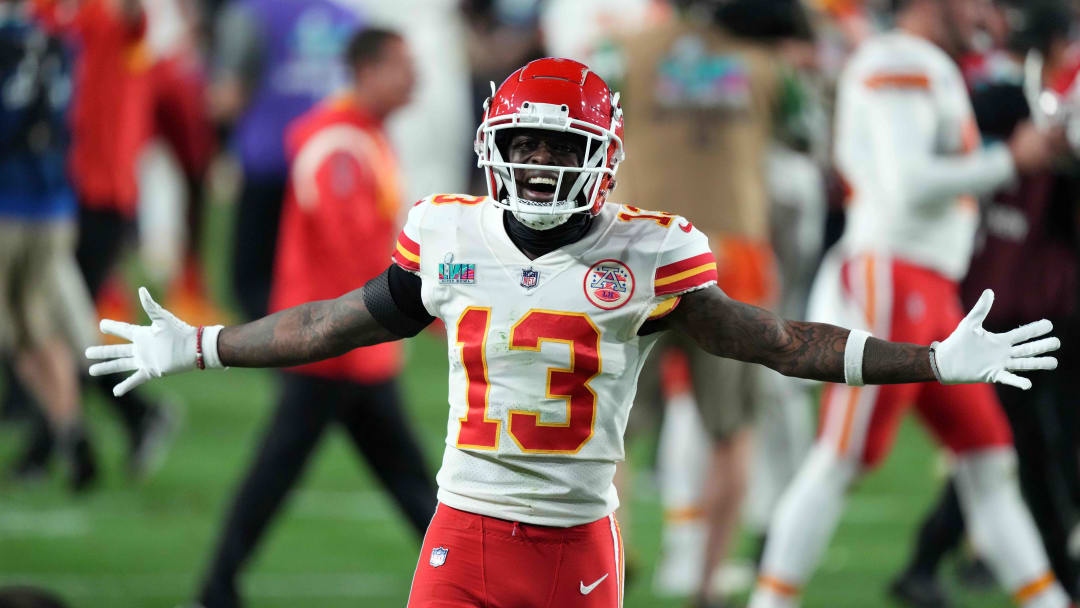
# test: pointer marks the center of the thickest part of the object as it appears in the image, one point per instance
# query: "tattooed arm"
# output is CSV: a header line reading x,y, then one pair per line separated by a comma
x,y
729,328
382,310
303,334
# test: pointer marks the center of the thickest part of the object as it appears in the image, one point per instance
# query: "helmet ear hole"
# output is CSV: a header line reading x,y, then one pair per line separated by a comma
x,y
502,142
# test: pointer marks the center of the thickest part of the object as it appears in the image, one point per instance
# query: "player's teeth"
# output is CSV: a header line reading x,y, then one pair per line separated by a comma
x,y
541,180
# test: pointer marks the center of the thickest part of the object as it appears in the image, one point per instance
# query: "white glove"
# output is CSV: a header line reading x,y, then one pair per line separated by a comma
x,y
166,346
972,354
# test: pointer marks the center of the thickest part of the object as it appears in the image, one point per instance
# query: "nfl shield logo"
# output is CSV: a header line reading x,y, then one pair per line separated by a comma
x,y
438,556
529,278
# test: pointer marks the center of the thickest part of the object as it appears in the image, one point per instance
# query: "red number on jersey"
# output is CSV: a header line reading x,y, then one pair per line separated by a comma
x,y
460,199
476,430
633,213
583,338
530,434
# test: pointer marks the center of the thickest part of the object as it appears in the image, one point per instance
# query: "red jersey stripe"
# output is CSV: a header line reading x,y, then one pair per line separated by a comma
x,y
684,265
707,274
400,250
403,261
899,80
408,244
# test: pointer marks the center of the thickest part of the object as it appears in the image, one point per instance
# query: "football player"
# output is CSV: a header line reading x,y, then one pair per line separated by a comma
x,y
908,146
341,203
551,299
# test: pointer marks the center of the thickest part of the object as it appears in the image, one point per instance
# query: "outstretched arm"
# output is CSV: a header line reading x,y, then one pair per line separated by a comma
x,y
303,334
729,328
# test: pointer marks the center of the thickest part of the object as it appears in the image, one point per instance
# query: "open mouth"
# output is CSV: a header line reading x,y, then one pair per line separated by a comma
x,y
539,187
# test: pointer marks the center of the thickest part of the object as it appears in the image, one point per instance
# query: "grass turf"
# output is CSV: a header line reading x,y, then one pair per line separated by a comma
x,y
339,542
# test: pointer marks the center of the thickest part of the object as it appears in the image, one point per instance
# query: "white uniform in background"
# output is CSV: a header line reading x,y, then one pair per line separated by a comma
x,y
545,353
784,428
162,191
908,146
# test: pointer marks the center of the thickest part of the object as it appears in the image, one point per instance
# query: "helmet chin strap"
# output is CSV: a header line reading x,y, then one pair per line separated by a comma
x,y
539,221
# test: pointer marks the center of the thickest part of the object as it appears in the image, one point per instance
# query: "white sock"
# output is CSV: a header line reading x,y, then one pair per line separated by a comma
x,y
804,522
681,462
682,454
1001,528
783,434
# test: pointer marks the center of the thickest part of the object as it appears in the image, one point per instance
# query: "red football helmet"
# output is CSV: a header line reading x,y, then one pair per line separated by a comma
x,y
558,95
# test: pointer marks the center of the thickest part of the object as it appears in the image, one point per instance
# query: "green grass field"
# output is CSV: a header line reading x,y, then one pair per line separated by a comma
x,y
339,542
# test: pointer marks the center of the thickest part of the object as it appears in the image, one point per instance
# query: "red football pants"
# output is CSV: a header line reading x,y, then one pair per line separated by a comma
x,y
906,303
474,561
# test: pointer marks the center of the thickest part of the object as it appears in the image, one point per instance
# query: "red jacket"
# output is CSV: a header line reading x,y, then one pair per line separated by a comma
x,y
111,115
338,223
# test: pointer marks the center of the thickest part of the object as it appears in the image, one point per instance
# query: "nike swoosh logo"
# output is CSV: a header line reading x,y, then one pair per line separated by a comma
x,y
686,227
587,589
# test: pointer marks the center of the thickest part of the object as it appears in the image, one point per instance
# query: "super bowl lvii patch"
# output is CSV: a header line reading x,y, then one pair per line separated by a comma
x,y
451,273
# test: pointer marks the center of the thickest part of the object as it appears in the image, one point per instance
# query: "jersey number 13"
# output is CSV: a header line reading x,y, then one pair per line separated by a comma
x,y
575,330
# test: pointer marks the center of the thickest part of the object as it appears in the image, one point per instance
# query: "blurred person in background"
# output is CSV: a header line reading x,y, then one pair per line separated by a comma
x,y
795,179
1037,221
38,212
431,134
705,90
181,118
273,60
339,218
908,146
110,121
852,18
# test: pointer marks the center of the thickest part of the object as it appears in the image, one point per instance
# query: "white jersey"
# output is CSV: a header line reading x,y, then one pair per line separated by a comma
x,y
908,147
544,354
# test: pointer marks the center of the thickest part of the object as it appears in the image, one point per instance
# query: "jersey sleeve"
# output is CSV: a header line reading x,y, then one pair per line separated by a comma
x,y
685,262
902,110
406,252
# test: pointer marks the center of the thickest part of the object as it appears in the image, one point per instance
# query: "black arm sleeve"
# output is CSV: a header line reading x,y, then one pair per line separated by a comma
x,y
393,299
651,327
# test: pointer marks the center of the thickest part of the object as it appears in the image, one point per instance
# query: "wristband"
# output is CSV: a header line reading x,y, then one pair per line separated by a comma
x,y
853,357
199,363
933,360
208,347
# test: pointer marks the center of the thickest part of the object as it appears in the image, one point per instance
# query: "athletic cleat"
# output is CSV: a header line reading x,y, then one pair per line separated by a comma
x,y
33,463
919,592
83,466
973,573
